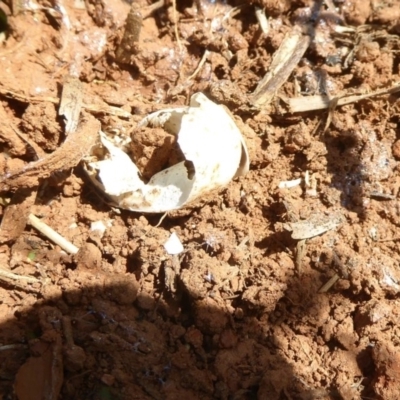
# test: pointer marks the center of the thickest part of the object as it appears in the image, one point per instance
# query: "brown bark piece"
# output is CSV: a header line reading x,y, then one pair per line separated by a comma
x,y
75,147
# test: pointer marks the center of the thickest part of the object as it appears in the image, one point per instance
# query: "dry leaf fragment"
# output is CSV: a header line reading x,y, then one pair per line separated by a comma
x,y
71,103
283,63
313,227
289,184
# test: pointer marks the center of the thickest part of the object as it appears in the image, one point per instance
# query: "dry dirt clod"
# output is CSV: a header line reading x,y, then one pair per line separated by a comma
x,y
16,145
16,214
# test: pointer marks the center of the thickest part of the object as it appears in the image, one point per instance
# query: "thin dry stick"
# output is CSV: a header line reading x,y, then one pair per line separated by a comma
x,y
68,155
301,249
176,25
26,99
332,107
52,234
156,226
262,20
312,103
389,240
200,66
93,108
9,275
147,11
17,284
329,284
161,220
13,346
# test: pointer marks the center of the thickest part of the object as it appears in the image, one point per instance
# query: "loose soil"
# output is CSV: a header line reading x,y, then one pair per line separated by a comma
x,y
239,314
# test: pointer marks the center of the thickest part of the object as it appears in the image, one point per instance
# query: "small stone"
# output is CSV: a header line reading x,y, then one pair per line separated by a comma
x,y
74,358
228,339
108,379
122,289
88,257
194,337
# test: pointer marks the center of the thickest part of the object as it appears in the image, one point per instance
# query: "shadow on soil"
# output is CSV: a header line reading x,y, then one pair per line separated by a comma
x,y
111,342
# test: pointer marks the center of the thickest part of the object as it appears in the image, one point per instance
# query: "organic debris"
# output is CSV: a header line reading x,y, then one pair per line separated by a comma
x,y
318,225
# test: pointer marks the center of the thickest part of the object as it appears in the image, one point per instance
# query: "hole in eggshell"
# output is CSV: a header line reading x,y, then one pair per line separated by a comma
x,y
191,171
153,150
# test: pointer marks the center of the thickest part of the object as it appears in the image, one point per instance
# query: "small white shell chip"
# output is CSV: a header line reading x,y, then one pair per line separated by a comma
x,y
208,138
173,245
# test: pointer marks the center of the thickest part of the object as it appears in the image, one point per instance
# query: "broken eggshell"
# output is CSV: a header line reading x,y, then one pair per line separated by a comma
x,y
212,146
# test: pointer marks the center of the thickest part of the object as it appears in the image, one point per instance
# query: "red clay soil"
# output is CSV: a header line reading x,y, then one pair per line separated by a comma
x,y
240,313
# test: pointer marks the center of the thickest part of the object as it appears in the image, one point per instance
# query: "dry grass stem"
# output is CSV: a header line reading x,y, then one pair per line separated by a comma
x,y
92,108
147,11
175,16
262,20
9,275
319,102
200,66
329,284
52,234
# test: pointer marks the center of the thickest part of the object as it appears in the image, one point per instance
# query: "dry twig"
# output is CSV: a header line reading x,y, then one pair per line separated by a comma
x,y
92,108
52,234
319,102
175,16
9,275
68,155
262,20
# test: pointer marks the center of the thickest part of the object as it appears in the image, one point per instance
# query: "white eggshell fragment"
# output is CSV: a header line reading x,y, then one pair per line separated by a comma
x,y
209,140
173,245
